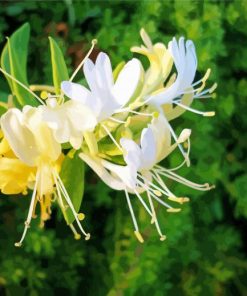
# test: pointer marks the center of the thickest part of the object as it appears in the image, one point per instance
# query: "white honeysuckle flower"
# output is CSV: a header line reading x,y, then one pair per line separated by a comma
x,y
69,121
141,172
182,91
105,96
185,60
33,143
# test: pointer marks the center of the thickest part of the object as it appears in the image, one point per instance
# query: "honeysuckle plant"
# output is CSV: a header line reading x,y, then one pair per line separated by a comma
x,y
119,124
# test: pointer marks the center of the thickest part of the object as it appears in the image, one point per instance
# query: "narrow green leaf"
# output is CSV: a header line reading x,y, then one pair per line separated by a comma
x,y
59,68
72,175
14,62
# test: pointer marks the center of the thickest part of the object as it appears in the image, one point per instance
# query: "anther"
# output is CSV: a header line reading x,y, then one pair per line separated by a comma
x,y
81,216
180,200
156,114
18,245
87,236
94,41
209,114
157,192
173,210
77,236
162,238
44,95
139,236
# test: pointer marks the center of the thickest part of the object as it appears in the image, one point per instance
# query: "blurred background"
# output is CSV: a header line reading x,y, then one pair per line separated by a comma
x,y
205,252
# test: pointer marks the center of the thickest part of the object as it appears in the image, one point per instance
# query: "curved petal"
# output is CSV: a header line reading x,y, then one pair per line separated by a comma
x,y
19,137
105,176
127,82
149,149
76,91
104,71
132,153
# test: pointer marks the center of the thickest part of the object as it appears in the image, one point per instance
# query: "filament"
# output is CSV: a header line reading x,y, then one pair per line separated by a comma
x,y
30,212
137,233
111,136
60,183
22,85
94,41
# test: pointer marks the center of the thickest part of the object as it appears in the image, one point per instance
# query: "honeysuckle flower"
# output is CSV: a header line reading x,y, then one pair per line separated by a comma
x,y
33,143
69,121
142,172
105,96
179,89
160,63
172,97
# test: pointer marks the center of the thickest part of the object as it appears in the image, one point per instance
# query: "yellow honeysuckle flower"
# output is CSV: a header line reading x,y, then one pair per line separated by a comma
x,y
34,145
160,63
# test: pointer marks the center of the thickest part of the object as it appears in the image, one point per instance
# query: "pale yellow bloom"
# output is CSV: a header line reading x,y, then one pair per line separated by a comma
x,y
160,63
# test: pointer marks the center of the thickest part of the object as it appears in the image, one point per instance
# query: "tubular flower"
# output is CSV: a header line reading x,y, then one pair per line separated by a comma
x,y
33,143
160,63
105,96
179,90
142,174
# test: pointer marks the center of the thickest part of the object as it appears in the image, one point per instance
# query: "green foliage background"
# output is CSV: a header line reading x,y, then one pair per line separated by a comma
x,y
205,253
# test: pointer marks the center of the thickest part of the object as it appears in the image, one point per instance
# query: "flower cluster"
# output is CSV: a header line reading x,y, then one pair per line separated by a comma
x,y
118,124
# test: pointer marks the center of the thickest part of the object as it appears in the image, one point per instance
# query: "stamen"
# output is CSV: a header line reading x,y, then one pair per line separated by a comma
x,y
209,114
180,200
30,212
173,210
203,80
143,203
160,201
112,138
94,41
81,216
160,182
139,236
67,198
77,236
137,233
153,185
175,177
117,120
22,85
154,219
185,155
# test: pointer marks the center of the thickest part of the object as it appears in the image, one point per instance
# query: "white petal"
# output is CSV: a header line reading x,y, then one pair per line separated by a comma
x,y
149,149
127,81
104,71
19,137
76,91
127,174
90,75
97,167
132,153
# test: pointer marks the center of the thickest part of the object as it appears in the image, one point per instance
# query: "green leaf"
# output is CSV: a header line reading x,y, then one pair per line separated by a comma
x,y
3,108
72,175
59,68
14,62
